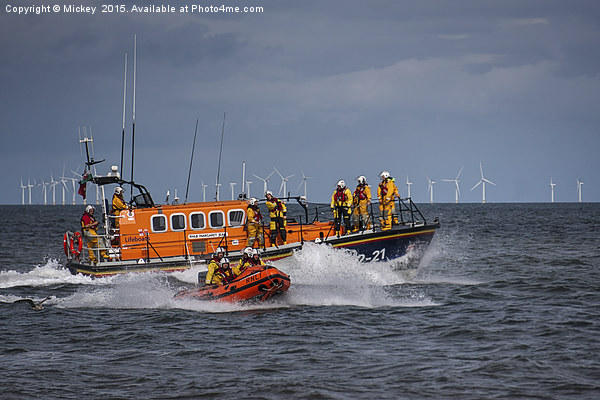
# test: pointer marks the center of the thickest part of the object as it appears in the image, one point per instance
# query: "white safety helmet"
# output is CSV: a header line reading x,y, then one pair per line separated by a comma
x,y
253,201
255,252
361,180
248,251
89,208
224,260
118,190
268,192
341,183
220,250
384,175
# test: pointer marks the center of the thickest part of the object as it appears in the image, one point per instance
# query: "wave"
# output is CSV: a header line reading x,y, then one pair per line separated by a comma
x,y
321,276
51,273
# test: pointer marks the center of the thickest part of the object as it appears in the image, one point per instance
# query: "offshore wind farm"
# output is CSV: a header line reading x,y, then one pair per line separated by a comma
x,y
43,190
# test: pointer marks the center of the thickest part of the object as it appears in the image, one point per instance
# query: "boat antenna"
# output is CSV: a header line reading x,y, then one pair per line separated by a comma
x,y
191,161
124,97
220,153
90,162
133,129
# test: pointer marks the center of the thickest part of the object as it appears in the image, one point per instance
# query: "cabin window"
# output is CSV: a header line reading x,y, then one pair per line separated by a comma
x,y
197,220
178,222
159,223
236,217
216,219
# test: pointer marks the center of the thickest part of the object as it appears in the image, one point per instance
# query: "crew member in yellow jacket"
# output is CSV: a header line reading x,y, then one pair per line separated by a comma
x,y
387,193
255,260
341,205
89,226
361,200
253,223
118,205
278,214
219,273
244,262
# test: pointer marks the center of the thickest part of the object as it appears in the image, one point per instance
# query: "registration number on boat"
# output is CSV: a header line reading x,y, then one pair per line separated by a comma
x,y
377,255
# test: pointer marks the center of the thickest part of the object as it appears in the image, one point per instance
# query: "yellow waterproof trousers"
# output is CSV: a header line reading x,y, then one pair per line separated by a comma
x,y
360,218
91,237
254,234
388,212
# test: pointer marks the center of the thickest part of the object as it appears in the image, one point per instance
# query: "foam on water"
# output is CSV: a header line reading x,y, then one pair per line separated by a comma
x,y
321,276
445,259
51,273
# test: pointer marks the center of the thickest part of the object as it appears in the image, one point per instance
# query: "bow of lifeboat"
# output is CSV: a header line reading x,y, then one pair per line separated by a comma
x,y
259,282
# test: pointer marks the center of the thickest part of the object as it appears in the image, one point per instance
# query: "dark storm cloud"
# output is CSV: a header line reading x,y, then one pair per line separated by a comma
x,y
511,83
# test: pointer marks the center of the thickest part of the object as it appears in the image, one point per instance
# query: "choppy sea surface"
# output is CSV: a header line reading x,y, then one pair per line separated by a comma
x,y
505,305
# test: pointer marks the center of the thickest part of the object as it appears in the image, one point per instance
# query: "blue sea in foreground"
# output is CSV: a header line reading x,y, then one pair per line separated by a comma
x,y
505,305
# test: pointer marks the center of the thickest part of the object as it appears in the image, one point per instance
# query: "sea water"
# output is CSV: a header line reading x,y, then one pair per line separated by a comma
x,y
505,304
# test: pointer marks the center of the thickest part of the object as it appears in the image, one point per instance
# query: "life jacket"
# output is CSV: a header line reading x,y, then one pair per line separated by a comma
x,y
383,187
227,274
360,192
120,204
254,262
340,196
257,215
242,265
278,209
83,223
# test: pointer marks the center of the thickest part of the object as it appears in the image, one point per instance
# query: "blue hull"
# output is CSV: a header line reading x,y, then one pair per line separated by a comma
x,y
403,243
408,244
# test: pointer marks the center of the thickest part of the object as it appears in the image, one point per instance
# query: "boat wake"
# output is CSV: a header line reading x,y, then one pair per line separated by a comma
x,y
320,275
323,276
51,273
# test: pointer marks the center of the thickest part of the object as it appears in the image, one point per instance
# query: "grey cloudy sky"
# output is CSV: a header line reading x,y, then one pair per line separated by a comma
x,y
334,88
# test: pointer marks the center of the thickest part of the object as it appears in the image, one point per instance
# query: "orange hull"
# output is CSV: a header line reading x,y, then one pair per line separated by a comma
x,y
260,283
196,230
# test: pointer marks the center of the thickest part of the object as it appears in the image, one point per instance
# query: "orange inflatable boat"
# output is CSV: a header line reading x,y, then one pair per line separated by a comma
x,y
255,283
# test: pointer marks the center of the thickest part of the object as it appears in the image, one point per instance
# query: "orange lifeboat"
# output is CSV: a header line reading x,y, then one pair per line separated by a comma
x,y
255,283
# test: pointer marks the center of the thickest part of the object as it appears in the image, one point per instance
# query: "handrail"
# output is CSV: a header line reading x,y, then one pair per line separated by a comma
x,y
148,250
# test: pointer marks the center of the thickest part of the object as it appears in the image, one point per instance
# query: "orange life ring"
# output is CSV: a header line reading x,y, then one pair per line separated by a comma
x,y
76,244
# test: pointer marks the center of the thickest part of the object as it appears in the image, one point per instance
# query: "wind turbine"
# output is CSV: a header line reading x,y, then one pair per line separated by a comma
x,y
73,180
64,188
579,184
303,182
552,188
218,186
283,182
408,185
53,184
204,186
43,185
23,187
248,188
482,182
29,186
232,185
430,190
265,180
456,182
